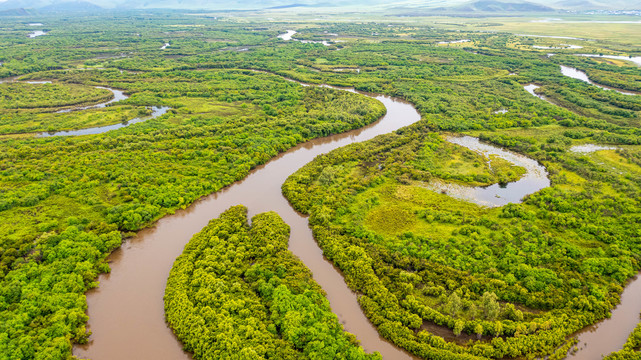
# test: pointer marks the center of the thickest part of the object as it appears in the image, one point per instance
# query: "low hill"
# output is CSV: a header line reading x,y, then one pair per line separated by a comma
x,y
502,7
71,6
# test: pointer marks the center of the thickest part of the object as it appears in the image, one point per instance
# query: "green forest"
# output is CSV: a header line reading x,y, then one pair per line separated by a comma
x,y
520,278
237,293
437,276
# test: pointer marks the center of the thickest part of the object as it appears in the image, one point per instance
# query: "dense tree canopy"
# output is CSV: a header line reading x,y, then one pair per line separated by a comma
x,y
237,293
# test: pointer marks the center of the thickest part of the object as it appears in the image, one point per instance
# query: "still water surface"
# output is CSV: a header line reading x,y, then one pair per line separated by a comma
x,y
535,178
580,75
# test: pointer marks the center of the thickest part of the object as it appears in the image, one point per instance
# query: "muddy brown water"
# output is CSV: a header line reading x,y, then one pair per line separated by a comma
x,y
609,335
126,313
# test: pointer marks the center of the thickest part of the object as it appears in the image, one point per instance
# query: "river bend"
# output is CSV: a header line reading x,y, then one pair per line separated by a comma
x,y
126,313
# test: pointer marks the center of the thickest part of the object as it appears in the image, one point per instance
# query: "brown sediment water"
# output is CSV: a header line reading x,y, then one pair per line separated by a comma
x,y
126,312
610,334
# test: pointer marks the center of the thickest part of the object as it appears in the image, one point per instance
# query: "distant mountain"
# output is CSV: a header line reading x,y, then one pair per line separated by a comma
x,y
502,7
17,12
582,5
72,6
571,4
15,5
289,6
457,6
244,4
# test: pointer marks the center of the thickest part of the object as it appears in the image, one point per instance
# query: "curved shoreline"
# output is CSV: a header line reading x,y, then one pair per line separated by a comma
x,y
581,75
118,95
495,195
155,112
140,267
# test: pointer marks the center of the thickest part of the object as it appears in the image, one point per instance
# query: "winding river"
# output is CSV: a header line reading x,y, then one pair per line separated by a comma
x,y
560,47
634,59
531,89
118,96
126,312
610,334
288,37
155,112
575,74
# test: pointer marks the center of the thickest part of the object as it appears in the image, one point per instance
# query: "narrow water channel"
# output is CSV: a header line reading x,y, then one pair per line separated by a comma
x,y
535,178
126,313
580,75
608,335
634,59
531,89
288,37
118,95
155,112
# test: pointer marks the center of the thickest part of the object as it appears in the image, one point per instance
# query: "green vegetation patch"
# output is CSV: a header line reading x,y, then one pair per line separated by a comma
x,y
96,187
32,96
31,122
560,257
237,292
631,348
492,283
453,162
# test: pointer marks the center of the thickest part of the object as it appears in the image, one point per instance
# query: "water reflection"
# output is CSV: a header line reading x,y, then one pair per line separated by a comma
x,y
531,87
118,96
633,59
535,178
454,41
126,313
589,148
37,33
288,36
155,112
610,334
561,47
580,75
